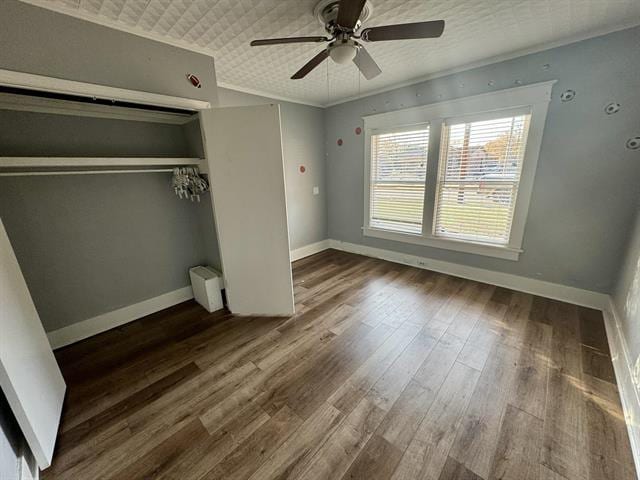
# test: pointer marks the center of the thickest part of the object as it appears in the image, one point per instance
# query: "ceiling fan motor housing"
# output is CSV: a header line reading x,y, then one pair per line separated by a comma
x,y
326,11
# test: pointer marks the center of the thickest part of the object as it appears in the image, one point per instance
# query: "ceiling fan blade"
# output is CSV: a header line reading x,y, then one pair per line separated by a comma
x,y
366,64
310,65
404,31
349,13
278,41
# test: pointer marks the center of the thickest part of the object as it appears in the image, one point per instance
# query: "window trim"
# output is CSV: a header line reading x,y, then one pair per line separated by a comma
x,y
535,97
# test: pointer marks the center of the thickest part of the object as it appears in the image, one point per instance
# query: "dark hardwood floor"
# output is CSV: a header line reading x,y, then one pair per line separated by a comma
x,y
386,372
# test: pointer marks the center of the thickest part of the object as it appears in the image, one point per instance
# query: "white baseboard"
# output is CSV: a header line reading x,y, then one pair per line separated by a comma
x,y
623,367
92,326
541,288
310,249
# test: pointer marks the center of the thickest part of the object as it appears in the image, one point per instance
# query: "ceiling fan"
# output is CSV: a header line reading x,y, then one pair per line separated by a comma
x,y
342,19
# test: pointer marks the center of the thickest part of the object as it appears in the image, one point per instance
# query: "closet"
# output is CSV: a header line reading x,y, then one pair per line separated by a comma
x,y
94,225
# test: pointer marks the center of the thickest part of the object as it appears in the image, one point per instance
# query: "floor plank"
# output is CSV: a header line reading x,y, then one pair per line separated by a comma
x,y
517,456
456,471
478,435
428,451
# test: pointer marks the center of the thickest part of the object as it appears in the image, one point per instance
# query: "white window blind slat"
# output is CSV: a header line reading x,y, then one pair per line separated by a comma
x,y
480,166
398,173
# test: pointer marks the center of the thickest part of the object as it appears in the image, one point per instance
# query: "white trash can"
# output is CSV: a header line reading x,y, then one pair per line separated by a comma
x,y
207,285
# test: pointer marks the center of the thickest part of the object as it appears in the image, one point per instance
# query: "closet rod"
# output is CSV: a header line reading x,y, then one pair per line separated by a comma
x,y
82,172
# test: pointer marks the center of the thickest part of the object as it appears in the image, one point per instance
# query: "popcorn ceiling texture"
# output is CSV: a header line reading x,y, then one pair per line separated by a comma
x,y
475,30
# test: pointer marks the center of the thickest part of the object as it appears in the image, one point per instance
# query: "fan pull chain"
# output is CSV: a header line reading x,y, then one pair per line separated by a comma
x,y
328,95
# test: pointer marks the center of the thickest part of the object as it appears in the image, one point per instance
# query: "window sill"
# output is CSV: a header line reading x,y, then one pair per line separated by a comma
x,y
506,253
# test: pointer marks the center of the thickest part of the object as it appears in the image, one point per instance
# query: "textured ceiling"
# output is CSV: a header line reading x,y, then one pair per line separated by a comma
x,y
475,30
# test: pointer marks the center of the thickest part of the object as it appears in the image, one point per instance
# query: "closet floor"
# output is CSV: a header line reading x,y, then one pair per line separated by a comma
x,y
385,372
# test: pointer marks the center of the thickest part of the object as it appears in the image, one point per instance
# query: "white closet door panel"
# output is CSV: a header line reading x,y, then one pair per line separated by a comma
x,y
29,374
244,153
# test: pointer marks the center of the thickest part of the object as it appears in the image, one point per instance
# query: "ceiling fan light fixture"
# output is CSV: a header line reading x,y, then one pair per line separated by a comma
x,y
343,19
343,53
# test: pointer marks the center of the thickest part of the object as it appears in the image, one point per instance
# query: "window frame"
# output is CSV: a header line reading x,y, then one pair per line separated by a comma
x,y
535,98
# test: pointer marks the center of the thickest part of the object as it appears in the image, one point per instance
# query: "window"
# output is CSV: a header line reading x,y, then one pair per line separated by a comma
x,y
398,169
480,167
456,175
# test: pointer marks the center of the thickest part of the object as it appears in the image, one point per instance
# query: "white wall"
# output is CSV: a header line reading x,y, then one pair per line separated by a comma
x,y
302,144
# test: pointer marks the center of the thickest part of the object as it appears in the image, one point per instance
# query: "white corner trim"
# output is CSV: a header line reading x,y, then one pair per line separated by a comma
x,y
623,368
310,249
541,288
92,326
30,81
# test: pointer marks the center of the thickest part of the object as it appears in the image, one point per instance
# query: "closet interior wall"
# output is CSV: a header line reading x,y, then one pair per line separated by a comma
x,y
90,244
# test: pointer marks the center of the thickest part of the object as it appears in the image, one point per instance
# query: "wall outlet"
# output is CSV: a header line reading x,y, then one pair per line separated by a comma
x,y
316,190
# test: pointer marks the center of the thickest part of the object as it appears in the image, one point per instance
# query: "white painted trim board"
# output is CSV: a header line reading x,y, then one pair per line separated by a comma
x,y
28,103
30,81
309,250
623,368
541,288
101,323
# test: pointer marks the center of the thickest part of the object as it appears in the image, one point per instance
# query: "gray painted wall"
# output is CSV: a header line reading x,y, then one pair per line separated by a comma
x,y
586,186
626,297
303,144
206,220
36,40
29,133
91,244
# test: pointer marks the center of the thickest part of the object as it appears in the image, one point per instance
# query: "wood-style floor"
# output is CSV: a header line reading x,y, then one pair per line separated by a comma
x,y
386,372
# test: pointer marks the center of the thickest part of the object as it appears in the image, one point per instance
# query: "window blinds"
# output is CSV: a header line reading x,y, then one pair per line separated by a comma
x,y
398,172
480,165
